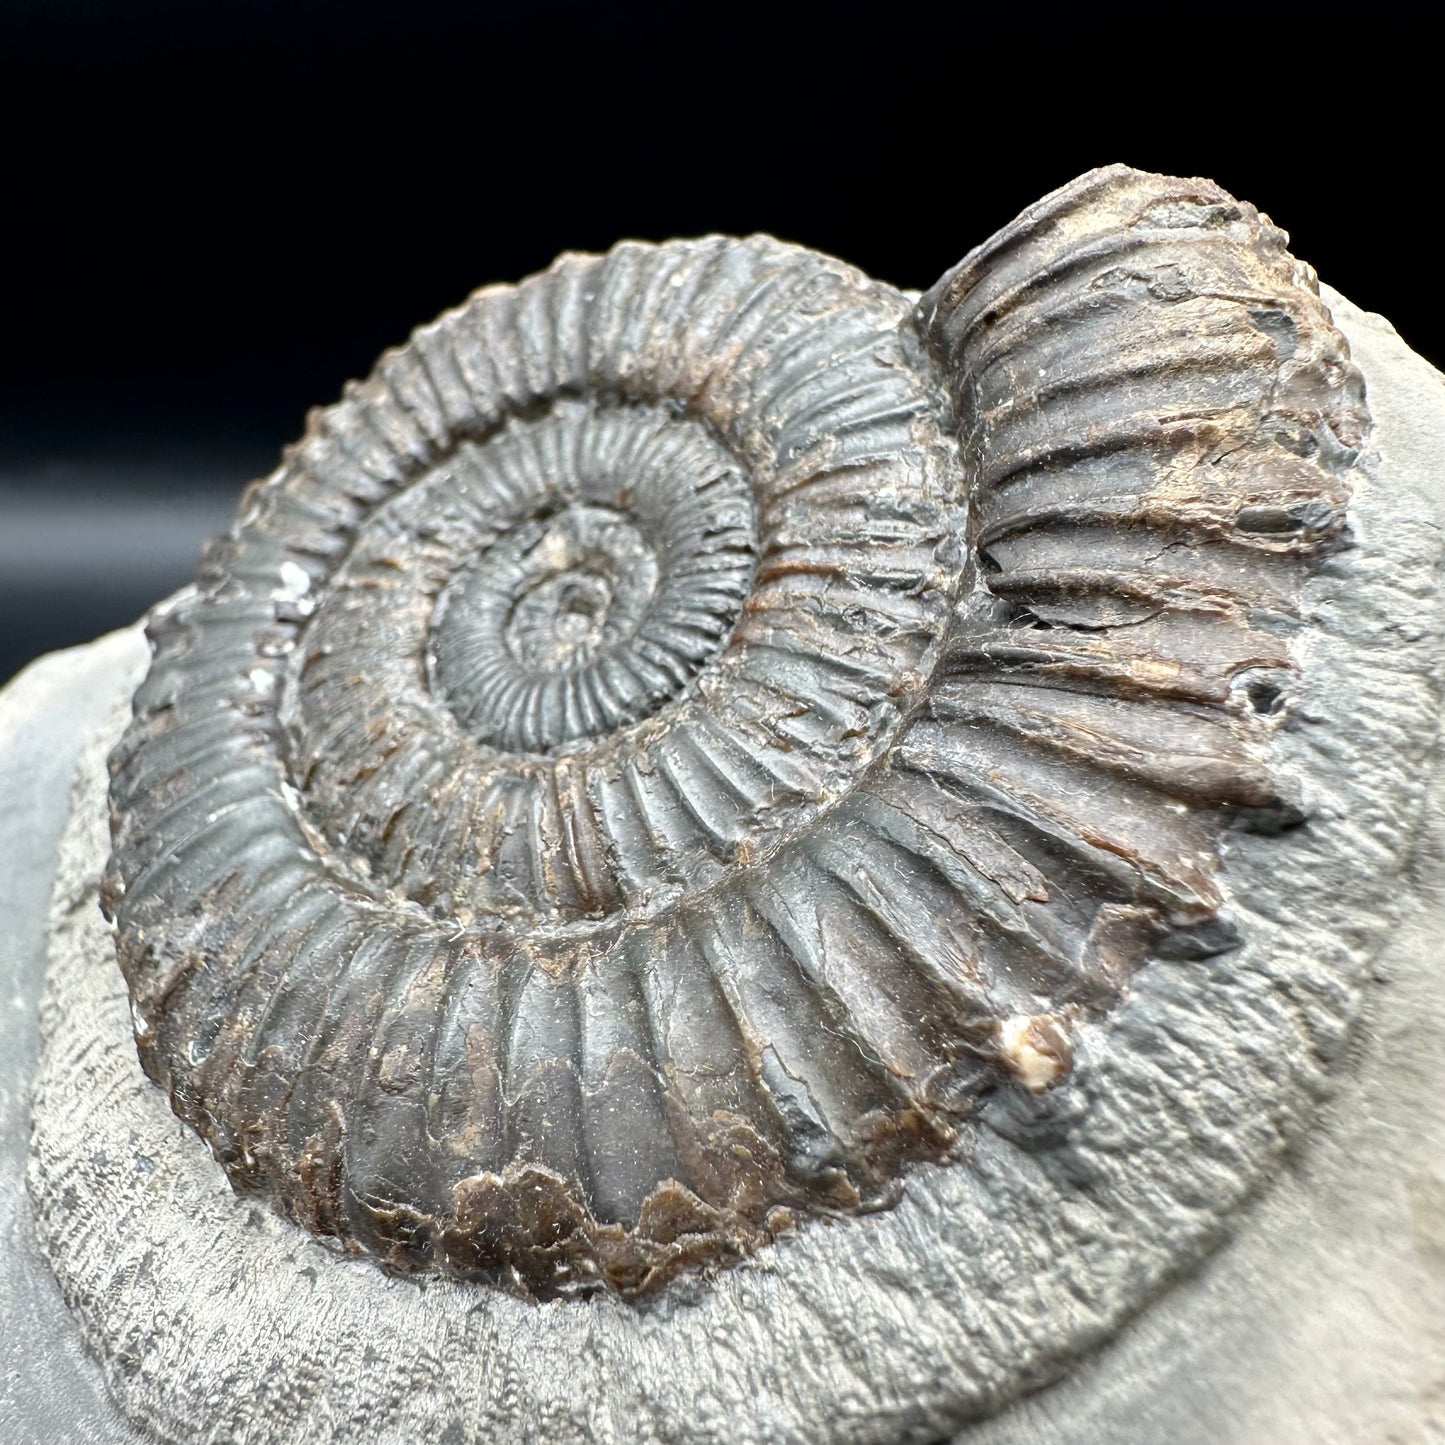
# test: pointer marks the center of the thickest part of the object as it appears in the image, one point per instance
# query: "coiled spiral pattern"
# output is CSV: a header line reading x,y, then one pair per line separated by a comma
x,y
630,780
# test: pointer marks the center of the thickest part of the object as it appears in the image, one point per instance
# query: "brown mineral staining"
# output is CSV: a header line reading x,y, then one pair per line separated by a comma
x,y
660,749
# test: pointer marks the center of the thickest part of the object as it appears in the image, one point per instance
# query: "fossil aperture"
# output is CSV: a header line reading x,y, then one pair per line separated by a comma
x,y
687,725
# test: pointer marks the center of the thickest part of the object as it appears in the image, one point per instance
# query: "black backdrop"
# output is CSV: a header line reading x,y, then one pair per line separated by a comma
x,y
224,208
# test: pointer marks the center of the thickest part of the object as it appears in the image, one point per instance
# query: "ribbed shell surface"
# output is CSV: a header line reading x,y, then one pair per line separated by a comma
x,y
660,748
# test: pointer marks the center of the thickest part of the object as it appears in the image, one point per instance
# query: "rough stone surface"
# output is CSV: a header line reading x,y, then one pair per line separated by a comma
x,y
49,715
1320,1320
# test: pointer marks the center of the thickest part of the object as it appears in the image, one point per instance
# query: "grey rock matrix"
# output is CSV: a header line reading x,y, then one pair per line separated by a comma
x,y
1225,1220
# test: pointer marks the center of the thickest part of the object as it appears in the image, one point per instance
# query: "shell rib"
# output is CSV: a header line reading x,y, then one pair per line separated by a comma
x,y
630,780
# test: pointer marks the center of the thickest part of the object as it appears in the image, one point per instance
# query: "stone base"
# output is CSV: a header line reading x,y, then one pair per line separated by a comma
x,y
1293,1290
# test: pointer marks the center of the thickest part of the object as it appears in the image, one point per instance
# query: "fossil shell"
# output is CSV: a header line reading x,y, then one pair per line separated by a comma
x,y
661,748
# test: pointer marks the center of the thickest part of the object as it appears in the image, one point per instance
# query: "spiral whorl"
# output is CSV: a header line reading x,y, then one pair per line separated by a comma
x,y
625,568
594,811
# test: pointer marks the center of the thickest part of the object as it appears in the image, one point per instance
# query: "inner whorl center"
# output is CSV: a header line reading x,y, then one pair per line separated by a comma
x,y
584,579
598,600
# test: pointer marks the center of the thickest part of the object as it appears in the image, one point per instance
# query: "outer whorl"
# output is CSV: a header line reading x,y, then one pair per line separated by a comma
x,y
631,780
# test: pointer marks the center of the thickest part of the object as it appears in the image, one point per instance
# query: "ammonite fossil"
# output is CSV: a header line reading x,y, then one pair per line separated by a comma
x,y
689,725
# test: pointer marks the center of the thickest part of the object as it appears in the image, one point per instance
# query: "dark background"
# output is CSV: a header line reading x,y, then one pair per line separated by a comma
x,y
219,210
